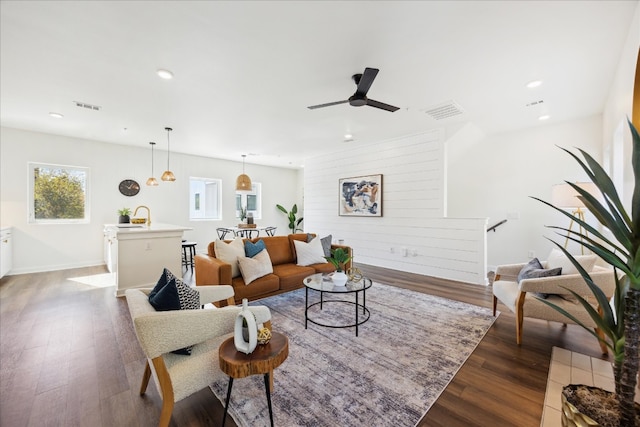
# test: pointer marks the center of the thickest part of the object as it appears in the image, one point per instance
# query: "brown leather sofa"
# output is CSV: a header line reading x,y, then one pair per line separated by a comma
x,y
286,274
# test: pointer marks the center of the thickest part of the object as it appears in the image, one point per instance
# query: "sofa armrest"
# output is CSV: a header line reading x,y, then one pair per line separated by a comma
x,y
349,264
561,284
211,271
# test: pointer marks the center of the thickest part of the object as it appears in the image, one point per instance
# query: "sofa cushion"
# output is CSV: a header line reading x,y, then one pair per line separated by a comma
x,y
229,253
279,250
262,286
326,243
291,275
309,253
252,249
256,267
557,259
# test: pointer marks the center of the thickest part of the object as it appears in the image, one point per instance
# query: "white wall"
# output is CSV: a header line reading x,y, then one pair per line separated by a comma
x,y
618,109
40,247
494,175
413,209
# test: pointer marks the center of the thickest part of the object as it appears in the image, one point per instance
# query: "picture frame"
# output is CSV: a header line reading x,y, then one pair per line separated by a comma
x,y
360,196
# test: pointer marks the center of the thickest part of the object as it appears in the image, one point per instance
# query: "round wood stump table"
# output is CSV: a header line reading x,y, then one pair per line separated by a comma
x,y
263,360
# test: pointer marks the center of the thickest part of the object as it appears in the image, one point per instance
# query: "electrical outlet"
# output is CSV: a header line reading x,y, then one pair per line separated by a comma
x,y
392,250
532,254
414,252
405,252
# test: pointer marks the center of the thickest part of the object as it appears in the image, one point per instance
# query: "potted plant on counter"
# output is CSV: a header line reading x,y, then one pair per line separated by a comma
x,y
339,258
619,246
124,216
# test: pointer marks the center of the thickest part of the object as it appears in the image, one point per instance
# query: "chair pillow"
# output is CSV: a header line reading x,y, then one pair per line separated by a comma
x,y
229,253
252,249
534,270
171,293
309,253
558,259
256,267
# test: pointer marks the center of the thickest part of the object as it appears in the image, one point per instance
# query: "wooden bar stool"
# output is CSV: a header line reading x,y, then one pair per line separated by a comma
x,y
188,252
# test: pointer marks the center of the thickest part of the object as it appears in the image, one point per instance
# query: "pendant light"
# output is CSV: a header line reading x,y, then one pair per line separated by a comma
x,y
168,175
152,180
243,182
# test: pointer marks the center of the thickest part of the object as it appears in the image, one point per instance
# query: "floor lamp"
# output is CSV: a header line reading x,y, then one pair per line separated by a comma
x,y
564,196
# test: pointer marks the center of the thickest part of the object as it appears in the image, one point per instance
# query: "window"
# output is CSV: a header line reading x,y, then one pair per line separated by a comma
x,y
251,200
204,198
58,194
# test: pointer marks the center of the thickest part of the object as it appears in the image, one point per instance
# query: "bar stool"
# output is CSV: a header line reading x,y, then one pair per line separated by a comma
x,y
188,252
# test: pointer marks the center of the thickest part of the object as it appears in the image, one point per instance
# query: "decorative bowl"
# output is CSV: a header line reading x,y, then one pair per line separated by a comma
x,y
138,220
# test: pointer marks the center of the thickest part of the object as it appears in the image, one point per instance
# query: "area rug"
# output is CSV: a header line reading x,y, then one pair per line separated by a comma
x,y
404,357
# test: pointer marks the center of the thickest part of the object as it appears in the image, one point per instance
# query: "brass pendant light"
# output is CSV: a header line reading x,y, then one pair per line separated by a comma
x,y
152,180
243,182
168,175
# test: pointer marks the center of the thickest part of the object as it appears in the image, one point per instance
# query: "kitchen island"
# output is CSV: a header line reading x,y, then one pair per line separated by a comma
x,y
138,253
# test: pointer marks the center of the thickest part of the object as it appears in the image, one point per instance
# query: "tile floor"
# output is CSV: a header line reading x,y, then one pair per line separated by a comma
x,y
568,367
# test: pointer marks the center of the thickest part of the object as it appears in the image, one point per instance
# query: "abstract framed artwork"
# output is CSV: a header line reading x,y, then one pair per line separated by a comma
x,y
360,196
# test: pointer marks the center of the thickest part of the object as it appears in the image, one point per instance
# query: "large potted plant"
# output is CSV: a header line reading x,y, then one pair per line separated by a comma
x,y
619,246
291,215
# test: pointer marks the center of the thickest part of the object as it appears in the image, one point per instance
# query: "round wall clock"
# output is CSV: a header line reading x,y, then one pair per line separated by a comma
x,y
129,187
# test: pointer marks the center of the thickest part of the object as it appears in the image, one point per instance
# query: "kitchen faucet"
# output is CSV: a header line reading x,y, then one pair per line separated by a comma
x,y
148,214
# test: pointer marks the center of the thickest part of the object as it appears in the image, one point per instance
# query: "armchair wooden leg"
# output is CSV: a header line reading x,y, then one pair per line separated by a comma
x,y
167,391
495,304
520,316
145,378
165,415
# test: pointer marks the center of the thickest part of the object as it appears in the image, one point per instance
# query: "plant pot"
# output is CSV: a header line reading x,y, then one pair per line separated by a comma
x,y
599,400
124,219
339,278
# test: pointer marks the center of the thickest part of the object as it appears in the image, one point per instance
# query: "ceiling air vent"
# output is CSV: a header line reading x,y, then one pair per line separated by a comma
x,y
532,103
87,106
444,111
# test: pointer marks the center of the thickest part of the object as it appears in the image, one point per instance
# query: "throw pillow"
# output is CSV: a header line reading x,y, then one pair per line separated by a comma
x,y
534,270
309,253
171,293
557,258
256,267
326,243
229,253
164,296
252,249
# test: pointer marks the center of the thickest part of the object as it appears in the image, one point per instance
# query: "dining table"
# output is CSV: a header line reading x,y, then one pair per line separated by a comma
x,y
247,232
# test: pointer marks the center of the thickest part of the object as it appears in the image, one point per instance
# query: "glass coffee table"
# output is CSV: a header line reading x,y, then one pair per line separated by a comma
x,y
322,283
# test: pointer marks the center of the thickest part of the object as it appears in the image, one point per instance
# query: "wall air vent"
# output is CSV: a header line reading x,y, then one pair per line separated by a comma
x,y
531,104
444,111
87,106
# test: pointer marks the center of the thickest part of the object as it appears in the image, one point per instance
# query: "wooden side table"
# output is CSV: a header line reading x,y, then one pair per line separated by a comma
x,y
263,360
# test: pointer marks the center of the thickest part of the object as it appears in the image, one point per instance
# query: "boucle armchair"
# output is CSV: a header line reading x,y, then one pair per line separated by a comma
x,y
161,332
521,297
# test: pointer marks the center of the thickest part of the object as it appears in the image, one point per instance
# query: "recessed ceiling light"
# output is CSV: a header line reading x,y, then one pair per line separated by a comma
x,y
165,74
534,83
56,115
544,117
348,137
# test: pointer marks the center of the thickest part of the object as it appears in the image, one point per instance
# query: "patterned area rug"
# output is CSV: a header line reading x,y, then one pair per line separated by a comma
x,y
404,357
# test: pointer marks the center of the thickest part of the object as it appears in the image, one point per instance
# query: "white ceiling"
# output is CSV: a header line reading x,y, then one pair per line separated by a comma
x,y
246,71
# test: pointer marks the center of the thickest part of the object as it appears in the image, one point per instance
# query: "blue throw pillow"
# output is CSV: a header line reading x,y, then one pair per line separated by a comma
x,y
252,249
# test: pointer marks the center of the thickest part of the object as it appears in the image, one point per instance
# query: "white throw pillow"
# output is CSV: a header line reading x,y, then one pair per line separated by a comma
x,y
256,267
309,253
229,253
558,259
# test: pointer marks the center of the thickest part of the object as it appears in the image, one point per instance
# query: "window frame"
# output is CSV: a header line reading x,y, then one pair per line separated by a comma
x,y
256,190
31,210
202,200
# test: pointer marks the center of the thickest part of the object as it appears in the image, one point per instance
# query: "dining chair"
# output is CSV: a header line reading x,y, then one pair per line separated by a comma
x,y
271,231
222,232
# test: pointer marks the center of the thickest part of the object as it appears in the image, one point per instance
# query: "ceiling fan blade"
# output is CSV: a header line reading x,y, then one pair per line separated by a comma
x,y
329,104
381,105
366,81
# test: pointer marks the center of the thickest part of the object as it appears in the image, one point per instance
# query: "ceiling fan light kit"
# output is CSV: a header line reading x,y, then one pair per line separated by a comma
x,y
168,175
359,98
243,182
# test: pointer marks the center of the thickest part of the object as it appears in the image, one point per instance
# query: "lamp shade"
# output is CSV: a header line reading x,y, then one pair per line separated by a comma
x,y
564,196
243,183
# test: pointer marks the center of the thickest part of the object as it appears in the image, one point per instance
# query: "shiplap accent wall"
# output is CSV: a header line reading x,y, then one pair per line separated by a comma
x,y
413,233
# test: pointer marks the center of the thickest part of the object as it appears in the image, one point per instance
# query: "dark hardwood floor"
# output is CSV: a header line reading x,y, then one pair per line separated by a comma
x,y
69,357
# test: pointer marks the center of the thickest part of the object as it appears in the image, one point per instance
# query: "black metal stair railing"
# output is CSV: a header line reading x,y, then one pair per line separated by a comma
x,y
494,226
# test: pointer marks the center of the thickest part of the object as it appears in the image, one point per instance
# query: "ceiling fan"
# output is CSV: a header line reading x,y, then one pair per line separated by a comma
x,y
358,99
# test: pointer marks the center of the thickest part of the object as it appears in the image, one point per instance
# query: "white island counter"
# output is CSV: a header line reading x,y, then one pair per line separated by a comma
x,y
138,253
